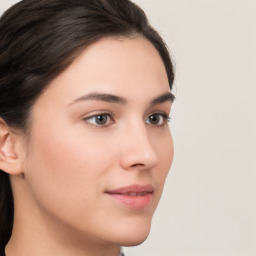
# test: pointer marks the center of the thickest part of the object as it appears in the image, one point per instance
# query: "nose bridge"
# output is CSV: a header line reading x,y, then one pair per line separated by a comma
x,y
138,149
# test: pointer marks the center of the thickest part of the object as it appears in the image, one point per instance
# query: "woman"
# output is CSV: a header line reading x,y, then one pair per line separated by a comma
x,y
85,95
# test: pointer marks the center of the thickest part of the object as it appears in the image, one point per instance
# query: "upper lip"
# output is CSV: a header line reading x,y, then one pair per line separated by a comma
x,y
132,189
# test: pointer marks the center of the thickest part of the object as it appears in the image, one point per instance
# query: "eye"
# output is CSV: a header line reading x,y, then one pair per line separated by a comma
x,y
158,119
103,119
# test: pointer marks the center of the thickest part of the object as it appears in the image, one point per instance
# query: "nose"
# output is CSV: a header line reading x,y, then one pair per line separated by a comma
x,y
137,149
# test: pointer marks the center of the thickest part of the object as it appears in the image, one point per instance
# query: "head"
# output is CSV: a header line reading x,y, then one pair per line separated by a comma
x,y
81,82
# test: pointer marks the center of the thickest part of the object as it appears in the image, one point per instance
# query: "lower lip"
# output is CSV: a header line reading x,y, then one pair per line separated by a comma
x,y
135,202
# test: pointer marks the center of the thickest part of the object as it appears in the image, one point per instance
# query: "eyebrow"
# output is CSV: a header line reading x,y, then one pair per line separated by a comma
x,y
102,97
168,96
110,98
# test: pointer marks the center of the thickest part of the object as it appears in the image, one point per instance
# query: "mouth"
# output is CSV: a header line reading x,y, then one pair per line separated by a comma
x,y
134,196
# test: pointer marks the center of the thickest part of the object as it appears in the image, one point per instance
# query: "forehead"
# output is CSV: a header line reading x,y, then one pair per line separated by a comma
x,y
121,66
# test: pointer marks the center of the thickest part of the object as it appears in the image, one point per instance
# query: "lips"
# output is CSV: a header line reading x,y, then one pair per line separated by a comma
x,y
132,193
134,196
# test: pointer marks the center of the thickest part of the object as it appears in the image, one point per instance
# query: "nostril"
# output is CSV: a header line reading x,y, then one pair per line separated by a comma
x,y
141,155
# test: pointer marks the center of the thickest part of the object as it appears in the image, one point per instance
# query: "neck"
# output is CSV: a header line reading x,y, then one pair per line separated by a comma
x,y
31,243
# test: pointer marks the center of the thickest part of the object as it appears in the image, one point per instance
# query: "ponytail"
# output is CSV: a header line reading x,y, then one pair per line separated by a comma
x,y
6,210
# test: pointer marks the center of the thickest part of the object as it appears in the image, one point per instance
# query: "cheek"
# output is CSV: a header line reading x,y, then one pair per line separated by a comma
x,y
65,151
163,146
65,168
169,152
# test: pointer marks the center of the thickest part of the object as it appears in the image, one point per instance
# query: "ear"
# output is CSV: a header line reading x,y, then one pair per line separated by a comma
x,y
10,161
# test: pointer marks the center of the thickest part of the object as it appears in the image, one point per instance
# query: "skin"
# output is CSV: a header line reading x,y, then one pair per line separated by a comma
x,y
61,207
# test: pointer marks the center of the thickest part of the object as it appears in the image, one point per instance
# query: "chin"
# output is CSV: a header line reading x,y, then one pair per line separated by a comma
x,y
134,241
132,236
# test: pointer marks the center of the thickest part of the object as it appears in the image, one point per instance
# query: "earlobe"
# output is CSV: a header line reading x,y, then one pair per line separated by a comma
x,y
9,159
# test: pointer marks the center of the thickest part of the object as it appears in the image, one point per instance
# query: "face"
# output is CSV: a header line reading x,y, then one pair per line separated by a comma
x,y
100,147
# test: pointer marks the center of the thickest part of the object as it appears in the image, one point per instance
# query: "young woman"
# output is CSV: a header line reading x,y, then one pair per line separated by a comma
x,y
85,148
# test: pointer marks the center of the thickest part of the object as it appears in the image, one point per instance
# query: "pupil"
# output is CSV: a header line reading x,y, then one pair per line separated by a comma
x,y
101,119
154,119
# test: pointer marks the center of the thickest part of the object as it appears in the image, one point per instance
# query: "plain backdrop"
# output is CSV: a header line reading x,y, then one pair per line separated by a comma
x,y
208,207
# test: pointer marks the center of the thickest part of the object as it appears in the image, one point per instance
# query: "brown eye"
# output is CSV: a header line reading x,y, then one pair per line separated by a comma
x,y
99,120
154,119
157,119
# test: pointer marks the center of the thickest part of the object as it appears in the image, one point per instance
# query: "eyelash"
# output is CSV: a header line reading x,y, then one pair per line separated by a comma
x,y
105,114
165,119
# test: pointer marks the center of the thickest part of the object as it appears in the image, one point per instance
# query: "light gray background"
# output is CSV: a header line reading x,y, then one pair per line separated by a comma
x,y
208,207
